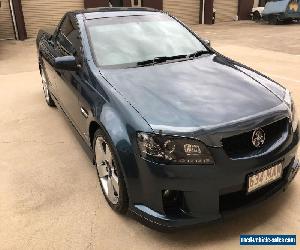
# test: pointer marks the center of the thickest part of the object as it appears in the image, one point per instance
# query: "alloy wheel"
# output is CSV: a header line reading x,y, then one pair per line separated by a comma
x,y
106,170
45,86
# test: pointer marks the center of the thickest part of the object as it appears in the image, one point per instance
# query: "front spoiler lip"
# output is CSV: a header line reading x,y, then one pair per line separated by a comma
x,y
161,222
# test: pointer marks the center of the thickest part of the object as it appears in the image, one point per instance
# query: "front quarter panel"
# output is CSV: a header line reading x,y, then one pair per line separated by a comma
x,y
121,122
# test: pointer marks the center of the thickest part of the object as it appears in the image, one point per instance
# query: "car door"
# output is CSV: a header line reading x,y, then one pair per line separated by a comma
x,y
75,90
68,83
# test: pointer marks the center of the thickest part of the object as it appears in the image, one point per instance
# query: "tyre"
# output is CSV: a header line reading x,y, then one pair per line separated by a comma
x,y
288,21
273,20
46,89
256,16
109,172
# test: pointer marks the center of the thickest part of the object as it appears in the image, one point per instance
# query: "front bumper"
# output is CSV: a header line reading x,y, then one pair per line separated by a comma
x,y
208,193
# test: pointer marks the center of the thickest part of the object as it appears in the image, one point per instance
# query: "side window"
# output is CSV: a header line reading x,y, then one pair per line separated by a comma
x,y
74,39
68,39
62,41
66,27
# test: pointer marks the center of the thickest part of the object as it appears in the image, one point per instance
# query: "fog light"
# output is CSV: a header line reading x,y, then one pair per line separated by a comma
x,y
173,202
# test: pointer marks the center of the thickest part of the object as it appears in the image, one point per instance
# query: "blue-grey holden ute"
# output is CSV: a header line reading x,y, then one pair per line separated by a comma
x,y
179,134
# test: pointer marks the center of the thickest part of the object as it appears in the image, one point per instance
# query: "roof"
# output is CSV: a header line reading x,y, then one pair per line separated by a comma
x,y
93,13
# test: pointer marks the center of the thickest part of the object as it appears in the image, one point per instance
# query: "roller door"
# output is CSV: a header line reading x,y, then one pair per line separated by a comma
x,y
187,11
226,10
6,24
46,13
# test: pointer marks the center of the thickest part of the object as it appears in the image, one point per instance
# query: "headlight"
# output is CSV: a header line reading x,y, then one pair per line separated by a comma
x,y
173,150
294,117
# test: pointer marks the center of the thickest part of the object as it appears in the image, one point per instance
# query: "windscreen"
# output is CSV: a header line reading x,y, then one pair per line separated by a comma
x,y
117,41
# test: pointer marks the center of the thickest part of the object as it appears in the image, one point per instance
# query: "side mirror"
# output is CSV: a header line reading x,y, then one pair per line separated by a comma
x,y
207,42
66,63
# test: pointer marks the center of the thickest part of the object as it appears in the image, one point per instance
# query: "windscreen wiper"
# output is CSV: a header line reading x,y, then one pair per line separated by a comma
x,y
160,59
199,53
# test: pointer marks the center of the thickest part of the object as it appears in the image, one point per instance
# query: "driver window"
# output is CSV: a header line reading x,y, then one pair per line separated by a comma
x,y
68,39
64,45
74,39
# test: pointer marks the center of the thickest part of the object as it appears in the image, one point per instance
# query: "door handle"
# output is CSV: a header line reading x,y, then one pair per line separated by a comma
x,y
84,112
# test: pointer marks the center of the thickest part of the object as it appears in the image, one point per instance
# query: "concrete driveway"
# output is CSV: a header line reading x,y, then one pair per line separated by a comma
x,y
49,193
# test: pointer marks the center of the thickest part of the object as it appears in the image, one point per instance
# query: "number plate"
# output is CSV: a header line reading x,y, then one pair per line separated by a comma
x,y
264,177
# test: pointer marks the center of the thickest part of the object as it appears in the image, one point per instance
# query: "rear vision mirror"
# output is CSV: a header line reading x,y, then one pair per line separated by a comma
x,y
66,63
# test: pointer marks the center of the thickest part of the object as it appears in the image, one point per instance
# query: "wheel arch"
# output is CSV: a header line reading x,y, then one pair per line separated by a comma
x,y
109,131
257,12
93,127
120,132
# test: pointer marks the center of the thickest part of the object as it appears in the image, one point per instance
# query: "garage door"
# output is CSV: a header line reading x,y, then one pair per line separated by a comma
x,y
6,25
187,11
46,13
226,10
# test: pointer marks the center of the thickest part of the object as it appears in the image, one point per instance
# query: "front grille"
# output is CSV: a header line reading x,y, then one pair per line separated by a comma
x,y
240,146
